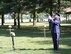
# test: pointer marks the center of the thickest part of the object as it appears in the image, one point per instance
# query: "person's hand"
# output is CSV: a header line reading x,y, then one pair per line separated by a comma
x,y
49,17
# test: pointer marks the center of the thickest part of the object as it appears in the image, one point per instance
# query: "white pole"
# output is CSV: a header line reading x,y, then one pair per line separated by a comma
x,y
10,28
12,36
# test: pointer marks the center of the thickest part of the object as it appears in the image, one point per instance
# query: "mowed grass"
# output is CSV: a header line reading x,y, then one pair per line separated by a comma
x,y
31,40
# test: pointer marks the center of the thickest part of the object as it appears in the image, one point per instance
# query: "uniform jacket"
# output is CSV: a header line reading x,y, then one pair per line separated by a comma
x,y
55,27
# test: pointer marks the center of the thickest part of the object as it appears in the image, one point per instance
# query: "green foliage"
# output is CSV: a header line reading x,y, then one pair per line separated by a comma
x,y
27,5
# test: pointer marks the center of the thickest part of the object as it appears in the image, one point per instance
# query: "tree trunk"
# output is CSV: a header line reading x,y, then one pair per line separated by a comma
x,y
50,13
18,21
58,6
37,18
14,15
34,18
2,19
21,18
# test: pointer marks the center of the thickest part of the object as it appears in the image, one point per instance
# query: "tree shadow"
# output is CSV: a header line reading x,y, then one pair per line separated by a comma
x,y
60,51
25,32
35,32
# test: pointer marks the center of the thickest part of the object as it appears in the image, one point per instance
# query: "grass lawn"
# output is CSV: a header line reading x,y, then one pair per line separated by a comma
x,y
30,40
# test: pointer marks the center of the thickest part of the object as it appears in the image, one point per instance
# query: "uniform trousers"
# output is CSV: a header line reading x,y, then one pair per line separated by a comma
x,y
55,37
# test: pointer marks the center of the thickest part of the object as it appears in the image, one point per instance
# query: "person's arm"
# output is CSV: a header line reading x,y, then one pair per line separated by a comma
x,y
57,21
49,18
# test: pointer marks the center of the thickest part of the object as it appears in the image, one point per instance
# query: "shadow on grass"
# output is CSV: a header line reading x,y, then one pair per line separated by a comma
x,y
44,49
60,51
41,51
0,47
34,32
34,49
25,32
37,32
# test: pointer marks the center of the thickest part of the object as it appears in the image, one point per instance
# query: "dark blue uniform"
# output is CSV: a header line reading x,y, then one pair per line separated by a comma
x,y
55,31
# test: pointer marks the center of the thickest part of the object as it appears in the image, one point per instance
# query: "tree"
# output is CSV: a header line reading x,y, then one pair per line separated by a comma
x,y
5,6
34,5
50,4
57,6
2,12
16,8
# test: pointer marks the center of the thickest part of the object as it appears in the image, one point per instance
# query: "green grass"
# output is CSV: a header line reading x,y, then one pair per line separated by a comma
x,y
30,40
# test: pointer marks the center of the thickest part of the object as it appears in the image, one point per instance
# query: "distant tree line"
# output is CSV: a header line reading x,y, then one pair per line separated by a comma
x,y
17,7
